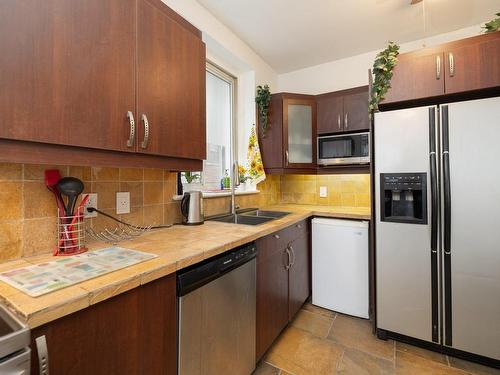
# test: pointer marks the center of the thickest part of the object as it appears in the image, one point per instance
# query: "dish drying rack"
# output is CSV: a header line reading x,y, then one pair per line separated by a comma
x,y
124,232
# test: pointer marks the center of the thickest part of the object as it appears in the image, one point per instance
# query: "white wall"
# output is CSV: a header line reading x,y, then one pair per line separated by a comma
x,y
232,54
353,71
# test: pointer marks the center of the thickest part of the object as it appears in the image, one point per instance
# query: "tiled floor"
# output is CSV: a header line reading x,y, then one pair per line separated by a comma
x,y
323,342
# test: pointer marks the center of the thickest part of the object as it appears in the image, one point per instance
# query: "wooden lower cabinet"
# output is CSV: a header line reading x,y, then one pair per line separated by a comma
x,y
299,286
272,292
132,333
283,281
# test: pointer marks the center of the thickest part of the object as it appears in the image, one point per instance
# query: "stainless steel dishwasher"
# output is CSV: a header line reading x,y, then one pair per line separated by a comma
x,y
217,315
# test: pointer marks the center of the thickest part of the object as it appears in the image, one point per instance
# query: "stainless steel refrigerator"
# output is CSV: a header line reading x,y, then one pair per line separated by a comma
x,y
437,193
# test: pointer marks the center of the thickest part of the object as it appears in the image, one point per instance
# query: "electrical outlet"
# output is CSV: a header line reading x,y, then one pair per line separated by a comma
x,y
123,202
323,191
92,202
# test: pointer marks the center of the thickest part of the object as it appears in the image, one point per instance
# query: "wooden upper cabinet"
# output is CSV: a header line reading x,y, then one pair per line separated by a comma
x,y
356,116
453,68
417,75
290,139
299,131
67,72
271,140
343,111
473,64
330,114
170,84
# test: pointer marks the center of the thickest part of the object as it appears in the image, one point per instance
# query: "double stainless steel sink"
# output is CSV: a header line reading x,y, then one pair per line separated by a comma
x,y
250,217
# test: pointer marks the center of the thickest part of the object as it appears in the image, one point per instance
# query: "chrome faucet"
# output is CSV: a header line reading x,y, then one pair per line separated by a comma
x,y
235,181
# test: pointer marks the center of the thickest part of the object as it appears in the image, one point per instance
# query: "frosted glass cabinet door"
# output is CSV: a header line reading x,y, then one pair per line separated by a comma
x,y
300,134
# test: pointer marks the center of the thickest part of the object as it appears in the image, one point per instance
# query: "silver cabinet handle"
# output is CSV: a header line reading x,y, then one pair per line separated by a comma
x,y
346,121
293,256
145,141
289,256
299,226
43,355
438,67
131,137
451,61
338,122
286,157
277,236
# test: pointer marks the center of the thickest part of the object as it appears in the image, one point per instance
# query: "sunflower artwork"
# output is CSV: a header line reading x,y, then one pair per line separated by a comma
x,y
254,158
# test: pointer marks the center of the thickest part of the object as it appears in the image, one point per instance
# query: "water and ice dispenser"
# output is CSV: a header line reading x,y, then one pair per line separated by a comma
x,y
403,197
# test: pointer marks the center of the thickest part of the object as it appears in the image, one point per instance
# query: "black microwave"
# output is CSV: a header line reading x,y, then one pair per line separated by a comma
x,y
344,149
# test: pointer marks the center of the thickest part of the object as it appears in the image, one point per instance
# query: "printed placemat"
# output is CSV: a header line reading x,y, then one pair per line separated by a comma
x,y
62,272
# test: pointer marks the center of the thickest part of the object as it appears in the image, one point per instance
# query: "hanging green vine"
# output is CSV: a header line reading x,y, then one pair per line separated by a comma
x,y
493,25
383,66
263,99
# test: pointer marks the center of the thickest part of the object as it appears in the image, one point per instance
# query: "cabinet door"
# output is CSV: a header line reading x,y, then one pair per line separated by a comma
x,y
417,75
330,113
132,333
299,133
473,64
272,294
271,141
299,274
67,72
356,116
170,85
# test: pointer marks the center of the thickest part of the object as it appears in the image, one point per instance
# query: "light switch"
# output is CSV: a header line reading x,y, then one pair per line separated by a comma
x,y
123,203
323,192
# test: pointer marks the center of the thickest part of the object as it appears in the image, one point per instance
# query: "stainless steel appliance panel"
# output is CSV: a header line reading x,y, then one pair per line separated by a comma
x,y
403,256
217,325
474,251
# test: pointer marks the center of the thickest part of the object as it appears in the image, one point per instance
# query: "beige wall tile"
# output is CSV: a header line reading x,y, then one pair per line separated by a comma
x,y
169,186
136,190
83,173
105,174
153,192
39,236
153,215
37,172
10,240
153,174
106,193
131,174
38,200
11,172
172,213
135,217
11,201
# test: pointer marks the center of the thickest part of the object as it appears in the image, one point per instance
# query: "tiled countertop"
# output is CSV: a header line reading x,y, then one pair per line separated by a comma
x,y
176,247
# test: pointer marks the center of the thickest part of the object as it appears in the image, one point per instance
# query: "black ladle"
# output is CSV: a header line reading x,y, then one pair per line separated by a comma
x,y
71,187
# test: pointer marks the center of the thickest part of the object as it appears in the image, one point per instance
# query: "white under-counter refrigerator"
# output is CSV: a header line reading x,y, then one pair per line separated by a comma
x,y
340,265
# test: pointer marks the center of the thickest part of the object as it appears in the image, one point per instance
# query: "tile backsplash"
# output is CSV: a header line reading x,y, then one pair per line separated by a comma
x,y
28,212
352,190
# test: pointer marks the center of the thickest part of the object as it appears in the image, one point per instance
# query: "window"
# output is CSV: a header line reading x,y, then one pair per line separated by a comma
x,y
220,108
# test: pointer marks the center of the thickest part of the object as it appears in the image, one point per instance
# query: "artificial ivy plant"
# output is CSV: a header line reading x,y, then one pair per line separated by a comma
x,y
493,25
383,66
263,98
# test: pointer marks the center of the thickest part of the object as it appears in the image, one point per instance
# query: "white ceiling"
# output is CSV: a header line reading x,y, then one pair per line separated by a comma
x,y
293,34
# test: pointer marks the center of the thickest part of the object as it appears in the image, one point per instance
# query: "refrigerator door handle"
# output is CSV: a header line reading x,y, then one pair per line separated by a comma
x,y
446,225
434,225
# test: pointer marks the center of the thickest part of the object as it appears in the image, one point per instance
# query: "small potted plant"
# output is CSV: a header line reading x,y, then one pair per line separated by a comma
x,y
192,181
243,177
